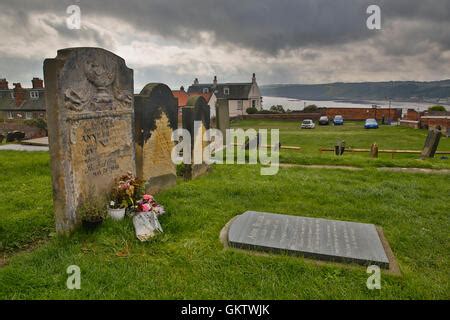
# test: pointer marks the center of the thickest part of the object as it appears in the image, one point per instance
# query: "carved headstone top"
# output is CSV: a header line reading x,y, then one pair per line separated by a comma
x,y
89,94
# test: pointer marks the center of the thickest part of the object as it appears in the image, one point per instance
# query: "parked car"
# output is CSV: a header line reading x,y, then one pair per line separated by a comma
x,y
308,124
338,120
324,121
371,124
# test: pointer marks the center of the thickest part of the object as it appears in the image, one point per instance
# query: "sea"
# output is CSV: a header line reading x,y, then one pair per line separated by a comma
x,y
296,104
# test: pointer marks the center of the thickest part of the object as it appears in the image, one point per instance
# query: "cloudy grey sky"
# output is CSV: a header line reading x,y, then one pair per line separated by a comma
x,y
283,41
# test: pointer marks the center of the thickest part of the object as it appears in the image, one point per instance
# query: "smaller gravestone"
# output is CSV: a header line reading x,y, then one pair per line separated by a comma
x,y
197,110
222,116
322,239
339,148
431,144
156,116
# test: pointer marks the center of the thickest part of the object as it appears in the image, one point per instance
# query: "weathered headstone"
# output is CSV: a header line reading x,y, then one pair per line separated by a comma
x,y
431,144
156,116
322,239
89,94
197,110
339,148
222,116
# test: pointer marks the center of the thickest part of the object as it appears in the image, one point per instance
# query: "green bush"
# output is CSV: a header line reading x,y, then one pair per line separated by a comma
x,y
437,108
251,110
38,123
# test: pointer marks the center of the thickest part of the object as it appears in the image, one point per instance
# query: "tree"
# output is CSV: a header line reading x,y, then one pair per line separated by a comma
x,y
311,108
277,108
38,123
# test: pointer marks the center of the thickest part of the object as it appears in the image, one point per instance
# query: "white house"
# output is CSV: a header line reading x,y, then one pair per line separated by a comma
x,y
238,96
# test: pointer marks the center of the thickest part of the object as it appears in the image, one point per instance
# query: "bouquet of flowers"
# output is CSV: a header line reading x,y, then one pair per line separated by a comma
x,y
127,190
148,204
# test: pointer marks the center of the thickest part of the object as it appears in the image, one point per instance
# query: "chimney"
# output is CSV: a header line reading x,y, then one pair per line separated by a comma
x,y
215,81
3,84
19,94
37,83
254,78
182,88
196,81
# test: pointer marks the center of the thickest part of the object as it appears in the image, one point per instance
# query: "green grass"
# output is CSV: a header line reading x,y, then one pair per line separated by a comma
x,y
355,136
188,261
26,209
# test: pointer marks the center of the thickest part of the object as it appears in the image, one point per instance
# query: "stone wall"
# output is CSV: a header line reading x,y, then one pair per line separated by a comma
x,y
283,116
360,114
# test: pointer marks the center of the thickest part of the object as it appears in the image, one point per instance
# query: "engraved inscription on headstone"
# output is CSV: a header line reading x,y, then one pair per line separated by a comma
x,y
89,94
155,119
315,238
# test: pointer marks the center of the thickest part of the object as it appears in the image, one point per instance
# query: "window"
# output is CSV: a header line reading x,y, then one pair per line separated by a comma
x,y
10,115
205,90
253,103
240,105
34,95
28,115
226,91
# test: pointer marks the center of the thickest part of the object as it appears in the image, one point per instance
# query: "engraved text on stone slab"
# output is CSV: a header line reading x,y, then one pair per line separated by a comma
x,y
315,238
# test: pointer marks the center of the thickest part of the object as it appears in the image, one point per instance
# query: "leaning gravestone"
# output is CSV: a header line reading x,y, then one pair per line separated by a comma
x,y
431,144
156,116
89,94
197,110
323,239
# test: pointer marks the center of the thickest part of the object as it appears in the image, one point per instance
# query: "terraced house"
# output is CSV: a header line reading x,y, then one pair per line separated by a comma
x,y
238,96
20,105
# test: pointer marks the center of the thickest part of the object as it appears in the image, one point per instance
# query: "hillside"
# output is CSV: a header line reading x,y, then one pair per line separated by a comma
x,y
398,90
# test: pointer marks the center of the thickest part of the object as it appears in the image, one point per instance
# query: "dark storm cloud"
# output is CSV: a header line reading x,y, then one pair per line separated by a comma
x,y
282,40
263,25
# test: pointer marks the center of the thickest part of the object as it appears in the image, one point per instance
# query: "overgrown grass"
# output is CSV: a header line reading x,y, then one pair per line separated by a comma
x,y
189,262
355,136
26,208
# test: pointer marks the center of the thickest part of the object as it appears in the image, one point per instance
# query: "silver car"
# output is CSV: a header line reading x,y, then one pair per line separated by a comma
x,y
308,124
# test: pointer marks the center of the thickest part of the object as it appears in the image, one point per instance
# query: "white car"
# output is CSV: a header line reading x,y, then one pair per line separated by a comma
x,y
308,124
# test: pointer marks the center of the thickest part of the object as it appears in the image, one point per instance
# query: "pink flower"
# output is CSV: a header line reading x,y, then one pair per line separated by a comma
x,y
146,207
147,197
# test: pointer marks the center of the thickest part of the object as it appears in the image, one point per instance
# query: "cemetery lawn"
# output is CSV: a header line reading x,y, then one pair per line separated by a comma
x,y
189,262
355,136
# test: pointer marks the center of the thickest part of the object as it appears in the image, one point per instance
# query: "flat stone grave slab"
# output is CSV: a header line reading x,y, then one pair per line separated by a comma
x,y
322,239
